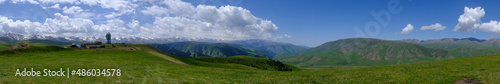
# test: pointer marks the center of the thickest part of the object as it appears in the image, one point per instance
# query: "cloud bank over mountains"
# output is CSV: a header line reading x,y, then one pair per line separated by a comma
x,y
171,19
469,21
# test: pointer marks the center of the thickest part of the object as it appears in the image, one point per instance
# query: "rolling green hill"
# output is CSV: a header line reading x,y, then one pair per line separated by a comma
x,y
201,49
494,42
149,65
275,47
172,51
363,52
475,50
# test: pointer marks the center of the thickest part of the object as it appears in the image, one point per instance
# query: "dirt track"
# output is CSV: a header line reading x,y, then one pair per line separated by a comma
x,y
167,57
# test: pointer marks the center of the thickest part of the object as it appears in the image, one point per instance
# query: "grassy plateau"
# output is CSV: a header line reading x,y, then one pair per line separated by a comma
x,y
149,65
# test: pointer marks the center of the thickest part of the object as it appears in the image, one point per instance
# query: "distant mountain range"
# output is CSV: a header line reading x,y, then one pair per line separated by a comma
x,y
375,52
453,43
445,40
255,47
275,47
202,49
362,52
465,47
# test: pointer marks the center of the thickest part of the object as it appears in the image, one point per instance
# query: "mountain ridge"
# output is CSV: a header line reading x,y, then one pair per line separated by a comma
x,y
275,47
446,39
363,52
453,43
204,49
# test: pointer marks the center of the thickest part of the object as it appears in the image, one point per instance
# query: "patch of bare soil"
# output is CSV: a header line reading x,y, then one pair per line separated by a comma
x,y
22,46
469,81
167,57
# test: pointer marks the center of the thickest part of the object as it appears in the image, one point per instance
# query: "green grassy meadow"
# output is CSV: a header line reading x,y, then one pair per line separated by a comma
x,y
141,66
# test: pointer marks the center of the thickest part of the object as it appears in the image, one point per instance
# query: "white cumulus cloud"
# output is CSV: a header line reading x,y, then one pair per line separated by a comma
x,y
204,21
155,10
470,19
72,10
122,6
66,26
1,1
24,1
89,2
492,26
77,12
172,18
60,1
435,27
22,27
56,6
407,29
62,25
135,25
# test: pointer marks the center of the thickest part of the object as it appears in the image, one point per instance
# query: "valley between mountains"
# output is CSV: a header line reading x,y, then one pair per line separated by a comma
x,y
352,52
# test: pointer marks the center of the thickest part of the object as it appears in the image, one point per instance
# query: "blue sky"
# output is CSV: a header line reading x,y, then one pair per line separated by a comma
x,y
315,22
302,22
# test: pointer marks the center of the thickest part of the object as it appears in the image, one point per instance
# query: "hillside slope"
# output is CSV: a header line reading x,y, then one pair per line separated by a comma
x,y
494,42
143,67
172,51
449,43
275,47
363,52
202,49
